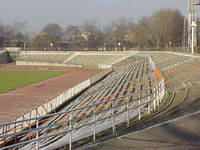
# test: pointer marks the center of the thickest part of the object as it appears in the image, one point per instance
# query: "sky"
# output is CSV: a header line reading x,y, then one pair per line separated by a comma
x,y
38,13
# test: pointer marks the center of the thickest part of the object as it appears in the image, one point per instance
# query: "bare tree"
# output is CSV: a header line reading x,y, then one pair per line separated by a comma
x,y
119,31
9,35
72,35
20,39
13,35
51,33
92,35
2,36
164,28
142,34
167,27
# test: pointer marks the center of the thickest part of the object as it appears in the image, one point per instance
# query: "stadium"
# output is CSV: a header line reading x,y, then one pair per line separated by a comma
x,y
121,82
75,99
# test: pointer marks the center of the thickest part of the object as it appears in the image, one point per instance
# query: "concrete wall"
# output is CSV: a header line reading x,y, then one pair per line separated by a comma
x,y
12,49
38,63
120,53
31,63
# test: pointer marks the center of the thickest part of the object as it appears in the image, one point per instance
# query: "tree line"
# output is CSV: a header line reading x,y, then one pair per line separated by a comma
x,y
164,28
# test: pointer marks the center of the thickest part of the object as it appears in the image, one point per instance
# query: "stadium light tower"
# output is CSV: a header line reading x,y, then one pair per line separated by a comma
x,y
192,23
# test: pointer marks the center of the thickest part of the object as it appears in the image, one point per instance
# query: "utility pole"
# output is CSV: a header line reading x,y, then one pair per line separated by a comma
x,y
192,23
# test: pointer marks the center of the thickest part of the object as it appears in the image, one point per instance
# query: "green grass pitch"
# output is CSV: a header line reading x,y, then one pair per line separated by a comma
x,y
13,79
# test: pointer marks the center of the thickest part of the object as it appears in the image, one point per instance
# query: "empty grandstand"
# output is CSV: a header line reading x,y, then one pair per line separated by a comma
x,y
131,90
129,96
81,59
37,58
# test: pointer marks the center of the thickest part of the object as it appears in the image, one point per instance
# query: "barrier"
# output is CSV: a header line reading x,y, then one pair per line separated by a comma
x,y
38,63
46,108
102,66
100,76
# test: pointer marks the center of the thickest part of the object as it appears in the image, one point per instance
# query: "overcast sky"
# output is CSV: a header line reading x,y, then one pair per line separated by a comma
x,y
37,13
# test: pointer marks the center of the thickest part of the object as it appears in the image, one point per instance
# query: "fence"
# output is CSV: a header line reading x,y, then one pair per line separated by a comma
x,y
80,127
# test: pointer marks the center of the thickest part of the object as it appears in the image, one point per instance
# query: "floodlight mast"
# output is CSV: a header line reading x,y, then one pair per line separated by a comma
x,y
192,24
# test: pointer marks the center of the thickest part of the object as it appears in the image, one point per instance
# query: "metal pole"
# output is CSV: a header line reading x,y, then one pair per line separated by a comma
x,y
192,40
154,97
127,107
193,28
70,132
160,91
113,117
149,109
139,117
4,133
15,129
163,87
94,120
157,95
37,134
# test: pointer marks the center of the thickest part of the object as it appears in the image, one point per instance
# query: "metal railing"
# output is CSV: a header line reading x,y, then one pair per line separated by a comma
x,y
97,118
51,105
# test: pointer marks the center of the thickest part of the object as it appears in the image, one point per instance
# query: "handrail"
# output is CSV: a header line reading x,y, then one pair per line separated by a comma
x,y
157,89
105,101
70,111
74,110
90,114
62,112
75,119
95,113
102,102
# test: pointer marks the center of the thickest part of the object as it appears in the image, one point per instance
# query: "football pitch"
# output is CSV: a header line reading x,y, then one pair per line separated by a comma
x,y
13,79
